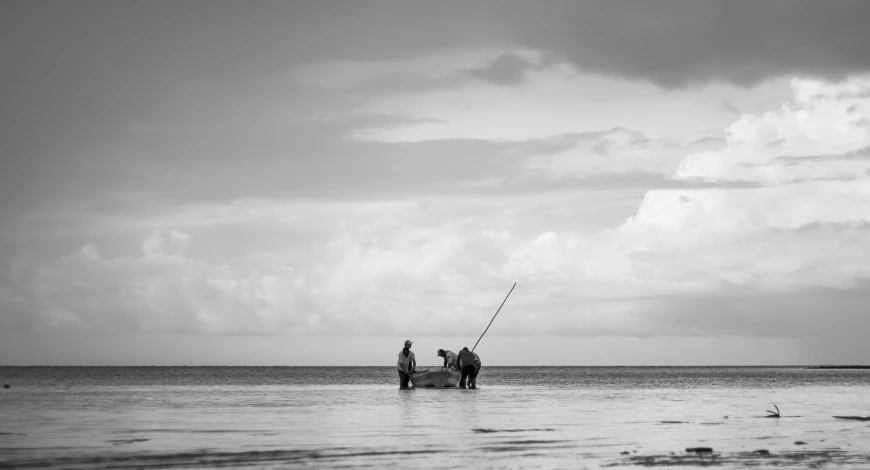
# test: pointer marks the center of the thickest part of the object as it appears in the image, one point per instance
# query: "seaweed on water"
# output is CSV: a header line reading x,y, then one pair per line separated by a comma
x,y
760,457
207,459
855,418
534,441
700,450
485,430
127,441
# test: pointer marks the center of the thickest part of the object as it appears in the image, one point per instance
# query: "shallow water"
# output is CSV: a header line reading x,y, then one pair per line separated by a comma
x,y
519,417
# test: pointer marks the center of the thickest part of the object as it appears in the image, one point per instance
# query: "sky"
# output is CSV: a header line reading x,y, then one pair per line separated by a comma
x,y
312,183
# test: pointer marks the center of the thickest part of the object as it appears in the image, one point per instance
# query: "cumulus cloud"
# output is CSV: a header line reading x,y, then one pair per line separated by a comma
x,y
156,244
159,291
388,258
693,262
800,229
822,134
792,236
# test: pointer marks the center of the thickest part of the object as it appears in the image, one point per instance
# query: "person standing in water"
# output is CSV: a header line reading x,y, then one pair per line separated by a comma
x,y
466,365
406,365
449,359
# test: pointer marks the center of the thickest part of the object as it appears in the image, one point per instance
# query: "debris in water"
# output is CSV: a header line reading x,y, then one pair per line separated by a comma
x,y
699,450
772,414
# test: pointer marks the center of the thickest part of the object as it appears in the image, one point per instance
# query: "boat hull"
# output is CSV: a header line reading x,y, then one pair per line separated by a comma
x,y
436,377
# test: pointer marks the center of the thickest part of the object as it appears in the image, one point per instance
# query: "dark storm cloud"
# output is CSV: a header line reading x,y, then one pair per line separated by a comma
x,y
679,42
670,42
78,71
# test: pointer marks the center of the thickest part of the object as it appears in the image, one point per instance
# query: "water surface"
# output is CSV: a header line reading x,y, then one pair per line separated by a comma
x,y
519,417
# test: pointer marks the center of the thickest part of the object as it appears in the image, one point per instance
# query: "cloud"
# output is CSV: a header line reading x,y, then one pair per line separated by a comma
x,y
508,69
821,134
428,264
414,268
615,150
428,72
156,244
749,251
672,43
306,177
679,43
148,76
159,292
797,232
353,280
554,98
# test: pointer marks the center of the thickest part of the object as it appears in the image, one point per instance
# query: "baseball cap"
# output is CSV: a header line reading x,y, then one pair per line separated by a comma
x,y
408,342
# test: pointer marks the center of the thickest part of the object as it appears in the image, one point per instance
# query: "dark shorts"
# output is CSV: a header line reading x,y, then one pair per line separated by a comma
x,y
467,371
403,379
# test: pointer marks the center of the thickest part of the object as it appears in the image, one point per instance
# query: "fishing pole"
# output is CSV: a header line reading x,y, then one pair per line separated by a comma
x,y
493,317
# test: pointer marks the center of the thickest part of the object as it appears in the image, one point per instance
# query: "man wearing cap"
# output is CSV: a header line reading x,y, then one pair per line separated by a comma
x,y
449,359
466,365
406,365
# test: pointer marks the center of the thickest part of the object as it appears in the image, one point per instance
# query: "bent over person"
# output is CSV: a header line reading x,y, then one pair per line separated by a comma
x,y
466,365
450,359
473,379
406,365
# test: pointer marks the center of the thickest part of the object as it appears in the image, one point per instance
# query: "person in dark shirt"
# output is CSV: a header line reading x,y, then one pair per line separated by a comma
x,y
466,366
472,380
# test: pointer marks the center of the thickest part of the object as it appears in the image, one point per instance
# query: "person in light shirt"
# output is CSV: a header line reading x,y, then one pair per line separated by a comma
x,y
406,365
450,359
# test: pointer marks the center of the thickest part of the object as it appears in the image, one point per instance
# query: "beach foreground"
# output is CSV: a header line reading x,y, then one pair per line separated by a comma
x,y
521,417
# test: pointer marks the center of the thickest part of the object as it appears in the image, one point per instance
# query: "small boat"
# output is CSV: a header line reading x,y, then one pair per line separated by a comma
x,y
435,377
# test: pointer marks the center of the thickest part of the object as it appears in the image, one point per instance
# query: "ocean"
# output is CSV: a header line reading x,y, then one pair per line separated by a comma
x,y
356,417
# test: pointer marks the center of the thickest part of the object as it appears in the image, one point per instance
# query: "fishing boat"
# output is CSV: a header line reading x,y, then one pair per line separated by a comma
x,y
444,377
435,377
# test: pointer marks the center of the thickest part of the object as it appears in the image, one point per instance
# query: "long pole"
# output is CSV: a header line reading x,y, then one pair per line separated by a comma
x,y
493,317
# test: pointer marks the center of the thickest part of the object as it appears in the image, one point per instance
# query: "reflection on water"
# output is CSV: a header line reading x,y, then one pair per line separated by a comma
x,y
520,418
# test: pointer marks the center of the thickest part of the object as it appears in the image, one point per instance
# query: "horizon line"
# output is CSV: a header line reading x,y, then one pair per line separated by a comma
x,y
488,366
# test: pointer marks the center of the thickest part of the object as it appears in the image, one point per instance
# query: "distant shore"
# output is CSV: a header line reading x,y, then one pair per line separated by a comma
x,y
839,367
